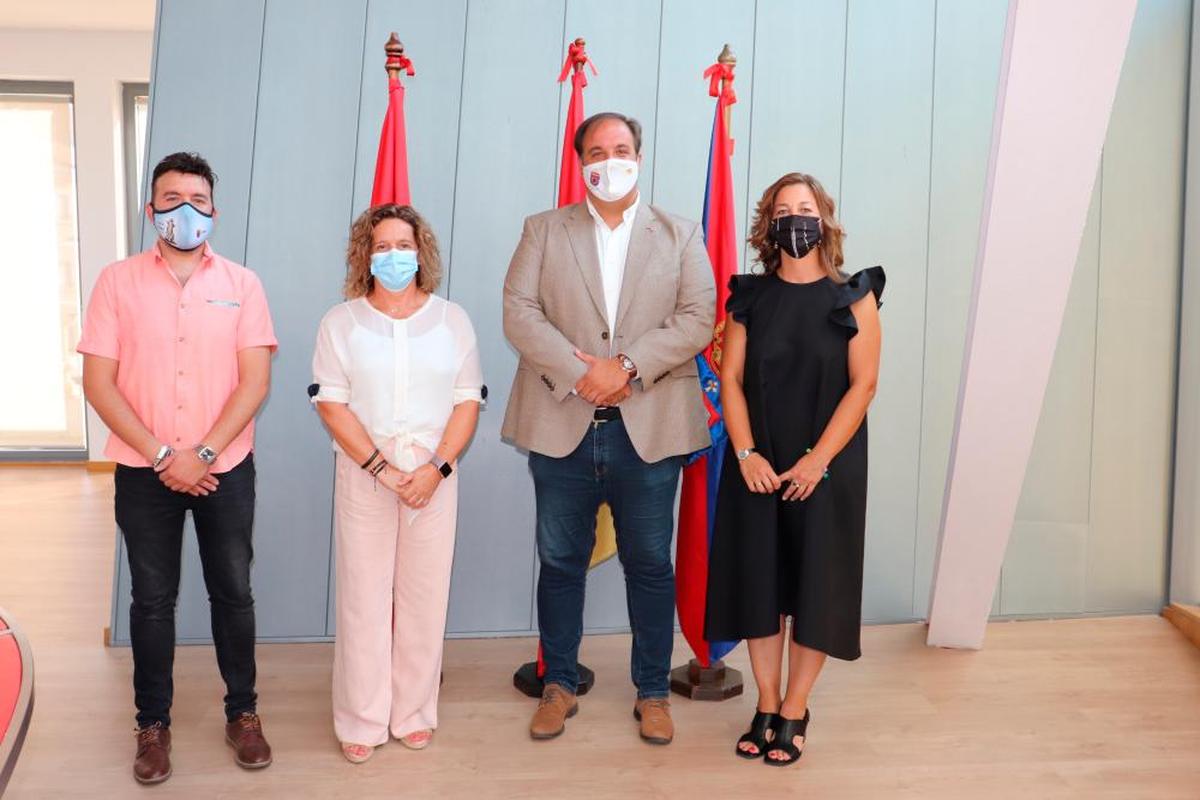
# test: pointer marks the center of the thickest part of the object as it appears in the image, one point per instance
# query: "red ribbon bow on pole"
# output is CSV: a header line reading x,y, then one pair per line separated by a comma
x,y
401,63
717,75
577,57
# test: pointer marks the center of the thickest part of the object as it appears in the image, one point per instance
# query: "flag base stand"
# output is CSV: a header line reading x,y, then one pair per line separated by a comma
x,y
528,683
717,682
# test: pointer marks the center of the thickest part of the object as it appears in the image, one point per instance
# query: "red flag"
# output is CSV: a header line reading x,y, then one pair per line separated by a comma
x,y
570,177
697,503
391,164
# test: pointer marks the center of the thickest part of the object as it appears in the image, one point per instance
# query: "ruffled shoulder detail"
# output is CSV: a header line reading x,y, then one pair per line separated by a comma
x,y
742,291
854,289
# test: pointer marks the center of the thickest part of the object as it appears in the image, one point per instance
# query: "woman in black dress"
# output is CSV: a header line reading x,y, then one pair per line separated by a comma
x,y
798,371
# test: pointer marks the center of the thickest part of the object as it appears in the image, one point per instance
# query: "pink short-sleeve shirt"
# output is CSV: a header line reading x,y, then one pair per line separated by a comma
x,y
177,347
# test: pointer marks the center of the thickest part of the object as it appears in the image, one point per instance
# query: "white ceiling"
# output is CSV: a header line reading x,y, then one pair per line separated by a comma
x,y
107,15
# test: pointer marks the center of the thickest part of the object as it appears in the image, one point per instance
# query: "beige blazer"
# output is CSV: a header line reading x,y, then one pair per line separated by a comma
x,y
554,303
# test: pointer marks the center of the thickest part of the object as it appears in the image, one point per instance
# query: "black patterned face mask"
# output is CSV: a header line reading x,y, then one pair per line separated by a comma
x,y
796,235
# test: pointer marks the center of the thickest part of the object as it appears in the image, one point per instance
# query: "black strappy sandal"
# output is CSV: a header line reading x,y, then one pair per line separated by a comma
x,y
757,735
784,733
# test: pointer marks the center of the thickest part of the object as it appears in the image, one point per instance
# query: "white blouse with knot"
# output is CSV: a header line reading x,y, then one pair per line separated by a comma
x,y
400,377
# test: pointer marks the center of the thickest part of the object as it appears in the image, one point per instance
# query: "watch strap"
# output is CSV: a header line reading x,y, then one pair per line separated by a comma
x,y
443,466
628,365
163,452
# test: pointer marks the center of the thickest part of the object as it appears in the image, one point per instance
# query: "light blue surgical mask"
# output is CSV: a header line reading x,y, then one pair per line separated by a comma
x,y
395,269
184,227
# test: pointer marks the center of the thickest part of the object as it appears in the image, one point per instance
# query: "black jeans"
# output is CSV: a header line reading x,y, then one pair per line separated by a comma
x,y
150,517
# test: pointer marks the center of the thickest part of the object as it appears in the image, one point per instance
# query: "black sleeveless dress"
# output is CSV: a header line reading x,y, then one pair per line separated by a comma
x,y
803,559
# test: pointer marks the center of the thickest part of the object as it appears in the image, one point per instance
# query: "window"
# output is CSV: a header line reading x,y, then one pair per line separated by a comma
x,y
135,105
41,399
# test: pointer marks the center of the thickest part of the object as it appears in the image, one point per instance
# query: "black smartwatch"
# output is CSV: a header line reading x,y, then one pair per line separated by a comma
x,y
443,466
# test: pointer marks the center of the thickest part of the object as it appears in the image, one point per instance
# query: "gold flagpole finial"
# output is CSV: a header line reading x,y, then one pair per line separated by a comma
x,y
728,59
582,45
395,56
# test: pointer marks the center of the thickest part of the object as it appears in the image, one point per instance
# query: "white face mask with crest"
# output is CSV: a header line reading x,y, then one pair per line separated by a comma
x,y
611,179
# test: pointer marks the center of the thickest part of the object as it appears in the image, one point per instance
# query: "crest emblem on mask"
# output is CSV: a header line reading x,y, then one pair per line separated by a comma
x,y
594,177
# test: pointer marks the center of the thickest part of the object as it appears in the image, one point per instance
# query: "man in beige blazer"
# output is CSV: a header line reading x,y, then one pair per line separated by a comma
x,y
608,302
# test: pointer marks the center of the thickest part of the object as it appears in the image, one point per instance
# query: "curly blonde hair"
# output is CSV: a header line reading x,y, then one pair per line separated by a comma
x,y
359,280
832,232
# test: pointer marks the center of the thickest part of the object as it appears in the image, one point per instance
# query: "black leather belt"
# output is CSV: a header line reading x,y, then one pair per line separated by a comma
x,y
606,414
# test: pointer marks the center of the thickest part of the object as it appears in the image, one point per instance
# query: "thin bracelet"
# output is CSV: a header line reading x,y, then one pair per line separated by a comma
x,y
378,468
824,477
370,458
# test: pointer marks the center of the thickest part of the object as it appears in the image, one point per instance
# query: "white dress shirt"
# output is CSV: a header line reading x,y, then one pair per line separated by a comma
x,y
612,245
400,377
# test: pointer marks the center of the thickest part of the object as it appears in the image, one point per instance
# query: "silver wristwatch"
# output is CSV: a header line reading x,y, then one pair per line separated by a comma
x,y
627,364
742,455
206,453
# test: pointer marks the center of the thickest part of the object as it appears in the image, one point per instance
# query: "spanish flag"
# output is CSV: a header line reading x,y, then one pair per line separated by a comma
x,y
697,504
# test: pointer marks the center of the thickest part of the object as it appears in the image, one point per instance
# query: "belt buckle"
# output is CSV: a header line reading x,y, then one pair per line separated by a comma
x,y
605,414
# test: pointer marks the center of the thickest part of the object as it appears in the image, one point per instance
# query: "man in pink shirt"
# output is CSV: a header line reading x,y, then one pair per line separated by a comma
x,y
176,346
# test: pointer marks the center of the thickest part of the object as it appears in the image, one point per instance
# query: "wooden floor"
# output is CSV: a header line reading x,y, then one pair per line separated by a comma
x,y
1101,708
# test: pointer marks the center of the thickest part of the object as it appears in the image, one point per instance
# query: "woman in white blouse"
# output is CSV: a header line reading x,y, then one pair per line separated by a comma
x,y
399,387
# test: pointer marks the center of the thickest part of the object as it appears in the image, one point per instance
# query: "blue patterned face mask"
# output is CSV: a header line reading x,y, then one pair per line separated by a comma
x,y
184,227
395,269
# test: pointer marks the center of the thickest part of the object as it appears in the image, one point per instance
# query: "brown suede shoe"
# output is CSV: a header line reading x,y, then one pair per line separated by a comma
x,y
152,764
654,714
245,736
554,709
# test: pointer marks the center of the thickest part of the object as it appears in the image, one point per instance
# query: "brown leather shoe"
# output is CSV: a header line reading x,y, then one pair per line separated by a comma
x,y
152,764
554,709
654,714
245,736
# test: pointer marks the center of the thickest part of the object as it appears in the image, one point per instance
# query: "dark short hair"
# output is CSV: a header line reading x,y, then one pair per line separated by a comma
x,y
634,126
188,164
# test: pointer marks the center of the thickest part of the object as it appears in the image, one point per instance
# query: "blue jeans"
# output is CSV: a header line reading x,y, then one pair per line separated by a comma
x,y
150,517
606,468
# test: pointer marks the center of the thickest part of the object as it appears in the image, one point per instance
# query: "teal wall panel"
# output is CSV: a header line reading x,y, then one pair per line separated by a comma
x,y
1137,323
886,150
507,142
